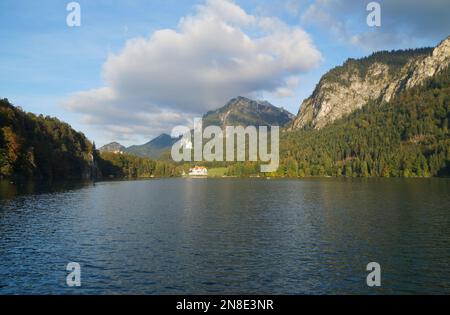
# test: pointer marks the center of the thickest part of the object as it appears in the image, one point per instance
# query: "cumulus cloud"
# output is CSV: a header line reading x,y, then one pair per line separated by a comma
x,y
319,13
404,22
217,53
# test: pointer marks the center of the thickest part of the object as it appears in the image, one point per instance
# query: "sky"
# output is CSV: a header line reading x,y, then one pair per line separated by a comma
x,y
135,69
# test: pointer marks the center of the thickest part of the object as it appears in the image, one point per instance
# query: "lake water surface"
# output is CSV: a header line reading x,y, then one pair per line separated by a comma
x,y
227,236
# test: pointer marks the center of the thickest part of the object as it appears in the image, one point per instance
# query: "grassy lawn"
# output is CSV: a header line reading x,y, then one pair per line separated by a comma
x,y
217,172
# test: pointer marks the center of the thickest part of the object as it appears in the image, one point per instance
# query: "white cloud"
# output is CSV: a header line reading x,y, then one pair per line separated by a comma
x,y
318,14
288,90
218,53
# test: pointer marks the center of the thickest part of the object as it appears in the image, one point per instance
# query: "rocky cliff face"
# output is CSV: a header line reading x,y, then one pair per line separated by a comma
x,y
427,67
378,77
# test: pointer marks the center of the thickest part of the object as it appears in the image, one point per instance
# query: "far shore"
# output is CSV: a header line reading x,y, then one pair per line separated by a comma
x,y
64,182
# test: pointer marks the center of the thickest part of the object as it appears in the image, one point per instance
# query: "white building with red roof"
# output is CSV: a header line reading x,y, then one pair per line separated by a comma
x,y
198,171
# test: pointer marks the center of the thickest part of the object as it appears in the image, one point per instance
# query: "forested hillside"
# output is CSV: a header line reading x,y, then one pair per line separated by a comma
x,y
41,147
407,137
45,148
157,148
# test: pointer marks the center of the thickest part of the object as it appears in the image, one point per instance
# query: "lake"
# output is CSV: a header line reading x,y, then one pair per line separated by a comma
x,y
227,236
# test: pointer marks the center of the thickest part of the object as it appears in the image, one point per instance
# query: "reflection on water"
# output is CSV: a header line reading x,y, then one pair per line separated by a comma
x,y
227,236
10,189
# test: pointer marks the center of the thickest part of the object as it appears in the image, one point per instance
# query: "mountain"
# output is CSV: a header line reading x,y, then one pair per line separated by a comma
x,y
113,147
379,77
154,148
241,111
409,136
34,146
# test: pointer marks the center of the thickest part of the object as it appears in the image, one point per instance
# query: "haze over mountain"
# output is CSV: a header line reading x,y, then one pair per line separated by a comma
x,y
154,148
239,111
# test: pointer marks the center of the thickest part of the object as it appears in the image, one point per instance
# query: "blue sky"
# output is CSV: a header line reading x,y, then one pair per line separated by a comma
x,y
104,79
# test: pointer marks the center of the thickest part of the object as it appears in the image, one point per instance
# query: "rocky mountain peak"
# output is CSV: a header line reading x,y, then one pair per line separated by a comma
x,y
244,112
378,77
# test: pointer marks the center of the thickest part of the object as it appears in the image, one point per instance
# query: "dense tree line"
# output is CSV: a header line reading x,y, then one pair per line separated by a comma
x,y
115,165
